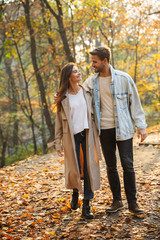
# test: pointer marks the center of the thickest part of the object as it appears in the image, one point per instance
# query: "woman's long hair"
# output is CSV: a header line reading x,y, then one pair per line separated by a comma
x,y
64,83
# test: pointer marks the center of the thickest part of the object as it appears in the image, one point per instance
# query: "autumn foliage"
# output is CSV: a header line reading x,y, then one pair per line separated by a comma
x,y
38,37
36,205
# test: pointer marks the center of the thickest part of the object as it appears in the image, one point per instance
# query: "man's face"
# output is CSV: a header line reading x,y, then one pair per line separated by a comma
x,y
97,63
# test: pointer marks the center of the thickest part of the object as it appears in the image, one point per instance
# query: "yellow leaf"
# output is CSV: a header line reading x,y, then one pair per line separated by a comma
x,y
45,170
94,208
61,200
69,205
25,196
25,215
79,202
40,220
64,209
56,215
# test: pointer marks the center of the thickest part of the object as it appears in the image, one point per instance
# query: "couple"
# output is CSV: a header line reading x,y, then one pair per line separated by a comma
x,y
113,96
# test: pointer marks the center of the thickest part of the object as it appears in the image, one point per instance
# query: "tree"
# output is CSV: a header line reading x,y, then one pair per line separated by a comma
x,y
26,5
62,31
3,141
28,111
2,29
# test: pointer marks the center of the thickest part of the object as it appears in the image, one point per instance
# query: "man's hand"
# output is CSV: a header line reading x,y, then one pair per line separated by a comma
x,y
60,153
142,134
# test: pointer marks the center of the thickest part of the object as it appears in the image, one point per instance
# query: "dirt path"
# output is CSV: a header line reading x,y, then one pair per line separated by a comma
x,y
34,203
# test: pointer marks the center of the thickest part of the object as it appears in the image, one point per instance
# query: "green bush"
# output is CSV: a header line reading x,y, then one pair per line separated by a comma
x,y
22,153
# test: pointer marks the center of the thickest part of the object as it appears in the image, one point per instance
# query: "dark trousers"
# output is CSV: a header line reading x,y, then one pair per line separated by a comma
x,y
125,148
80,138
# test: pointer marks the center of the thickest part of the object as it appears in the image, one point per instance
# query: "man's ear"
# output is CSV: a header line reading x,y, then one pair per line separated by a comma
x,y
105,60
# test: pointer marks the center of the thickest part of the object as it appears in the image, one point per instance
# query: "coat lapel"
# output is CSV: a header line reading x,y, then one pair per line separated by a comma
x,y
66,108
88,104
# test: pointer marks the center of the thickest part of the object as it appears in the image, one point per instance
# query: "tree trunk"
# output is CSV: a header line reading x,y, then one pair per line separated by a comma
x,y
3,140
15,135
136,63
157,72
62,30
72,27
13,99
30,111
51,44
44,143
4,146
33,135
50,40
36,70
112,43
137,44
2,30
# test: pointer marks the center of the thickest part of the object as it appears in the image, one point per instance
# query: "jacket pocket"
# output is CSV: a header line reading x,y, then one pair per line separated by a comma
x,y
122,101
64,124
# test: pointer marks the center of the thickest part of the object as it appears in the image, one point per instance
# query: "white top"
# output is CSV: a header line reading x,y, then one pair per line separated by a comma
x,y
78,108
107,106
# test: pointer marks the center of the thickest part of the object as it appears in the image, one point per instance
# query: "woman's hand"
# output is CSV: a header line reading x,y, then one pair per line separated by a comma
x,y
55,98
60,153
50,144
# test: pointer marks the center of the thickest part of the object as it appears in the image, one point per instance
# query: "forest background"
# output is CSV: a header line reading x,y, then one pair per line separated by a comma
x,y
37,37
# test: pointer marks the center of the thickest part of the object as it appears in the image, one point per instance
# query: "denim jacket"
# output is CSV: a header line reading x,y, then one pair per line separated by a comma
x,y
128,111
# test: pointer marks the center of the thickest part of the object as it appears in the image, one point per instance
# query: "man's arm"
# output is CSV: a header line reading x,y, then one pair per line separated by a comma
x,y
137,112
87,84
136,109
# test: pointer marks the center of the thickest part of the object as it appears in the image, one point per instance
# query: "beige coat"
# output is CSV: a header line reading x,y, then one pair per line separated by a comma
x,y
63,131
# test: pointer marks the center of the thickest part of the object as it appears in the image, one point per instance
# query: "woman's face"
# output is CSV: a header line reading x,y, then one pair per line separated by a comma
x,y
75,75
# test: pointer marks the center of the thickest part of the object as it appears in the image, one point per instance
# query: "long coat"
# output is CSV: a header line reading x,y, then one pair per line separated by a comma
x,y
63,131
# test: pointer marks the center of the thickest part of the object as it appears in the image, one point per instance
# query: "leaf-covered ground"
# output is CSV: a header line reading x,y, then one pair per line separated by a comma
x,y
34,203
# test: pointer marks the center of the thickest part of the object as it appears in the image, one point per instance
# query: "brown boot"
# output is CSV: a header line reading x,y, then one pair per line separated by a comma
x,y
115,207
133,208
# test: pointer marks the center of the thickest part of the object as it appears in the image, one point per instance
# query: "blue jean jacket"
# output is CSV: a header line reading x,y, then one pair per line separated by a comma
x,y
128,111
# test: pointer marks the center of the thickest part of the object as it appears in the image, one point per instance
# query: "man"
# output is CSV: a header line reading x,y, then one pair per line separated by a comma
x,y
117,111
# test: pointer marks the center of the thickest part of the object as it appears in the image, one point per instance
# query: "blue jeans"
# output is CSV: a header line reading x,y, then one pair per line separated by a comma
x,y
80,138
125,148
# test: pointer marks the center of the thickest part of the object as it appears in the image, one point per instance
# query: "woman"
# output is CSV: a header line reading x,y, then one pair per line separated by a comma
x,y
75,126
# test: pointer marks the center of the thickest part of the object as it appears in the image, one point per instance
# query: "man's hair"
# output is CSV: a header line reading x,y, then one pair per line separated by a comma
x,y
102,53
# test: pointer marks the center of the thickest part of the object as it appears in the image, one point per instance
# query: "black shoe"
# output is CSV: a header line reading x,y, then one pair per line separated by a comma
x,y
133,208
74,202
116,206
86,210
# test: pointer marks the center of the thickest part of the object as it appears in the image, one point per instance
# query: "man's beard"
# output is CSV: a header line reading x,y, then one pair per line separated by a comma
x,y
99,69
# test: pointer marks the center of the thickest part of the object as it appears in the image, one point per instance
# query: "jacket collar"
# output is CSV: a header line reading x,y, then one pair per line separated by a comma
x,y
112,72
